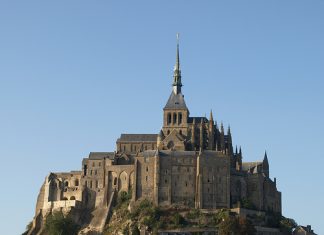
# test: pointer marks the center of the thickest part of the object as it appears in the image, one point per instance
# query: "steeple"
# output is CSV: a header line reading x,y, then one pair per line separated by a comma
x,y
177,72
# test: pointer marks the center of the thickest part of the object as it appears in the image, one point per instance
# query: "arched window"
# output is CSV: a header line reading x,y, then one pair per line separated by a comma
x,y
147,168
169,119
76,182
90,184
168,132
179,118
97,184
65,198
115,181
174,118
66,184
180,132
72,198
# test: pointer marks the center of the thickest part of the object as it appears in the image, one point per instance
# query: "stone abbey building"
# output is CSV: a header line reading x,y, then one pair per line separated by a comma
x,y
190,161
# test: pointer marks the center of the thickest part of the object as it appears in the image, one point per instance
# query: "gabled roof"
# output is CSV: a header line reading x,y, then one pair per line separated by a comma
x,y
101,155
176,101
137,138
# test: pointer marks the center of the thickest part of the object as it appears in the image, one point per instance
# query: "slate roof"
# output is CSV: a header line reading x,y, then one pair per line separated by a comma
x,y
197,119
137,138
176,101
101,155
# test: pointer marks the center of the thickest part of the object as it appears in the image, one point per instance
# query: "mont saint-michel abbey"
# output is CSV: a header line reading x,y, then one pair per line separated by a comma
x,y
190,162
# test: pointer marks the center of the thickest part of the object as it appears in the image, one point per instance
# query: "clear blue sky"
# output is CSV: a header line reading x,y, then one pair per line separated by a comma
x,y
76,74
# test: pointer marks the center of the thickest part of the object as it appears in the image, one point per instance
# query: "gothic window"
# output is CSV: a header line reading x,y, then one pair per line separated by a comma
x,y
76,182
168,132
90,184
66,184
174,118
147,168
180,132
72,198
97,183
169,119
179,118
115,181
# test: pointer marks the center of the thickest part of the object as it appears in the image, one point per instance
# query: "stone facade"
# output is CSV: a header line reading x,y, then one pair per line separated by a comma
x,y
191,162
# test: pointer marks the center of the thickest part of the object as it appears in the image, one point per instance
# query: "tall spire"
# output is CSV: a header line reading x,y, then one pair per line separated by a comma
x,y
177,72
211,116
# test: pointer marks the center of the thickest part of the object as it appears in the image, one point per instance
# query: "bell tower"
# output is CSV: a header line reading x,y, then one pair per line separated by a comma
x,y
175,112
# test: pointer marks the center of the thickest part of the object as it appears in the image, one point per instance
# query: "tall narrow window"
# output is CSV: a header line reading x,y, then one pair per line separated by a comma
x,y
174,118
97,184
179,118
85,169
169,119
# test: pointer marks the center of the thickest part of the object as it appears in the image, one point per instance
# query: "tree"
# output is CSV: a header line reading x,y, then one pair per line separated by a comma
x,y
57,224
229,226
246,227
236,226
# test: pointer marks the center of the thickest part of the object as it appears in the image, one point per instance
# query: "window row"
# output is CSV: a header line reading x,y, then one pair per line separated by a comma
x,y
174,118
92,184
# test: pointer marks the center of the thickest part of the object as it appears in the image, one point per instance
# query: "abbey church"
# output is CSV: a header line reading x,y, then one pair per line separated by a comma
x,y
190,162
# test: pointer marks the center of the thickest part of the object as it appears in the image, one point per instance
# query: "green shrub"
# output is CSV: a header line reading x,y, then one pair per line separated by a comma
x,y
57,224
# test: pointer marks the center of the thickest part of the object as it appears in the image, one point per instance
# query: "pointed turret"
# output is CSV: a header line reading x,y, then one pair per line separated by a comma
x,y
201,143
229,141
265,164
193,134
211,132
265,158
